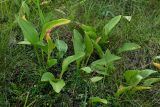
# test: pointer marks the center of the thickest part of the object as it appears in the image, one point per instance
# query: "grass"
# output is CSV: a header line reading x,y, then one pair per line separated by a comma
x,y
20,81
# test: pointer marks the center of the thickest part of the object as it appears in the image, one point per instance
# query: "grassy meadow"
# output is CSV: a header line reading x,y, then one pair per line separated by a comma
x,y
23,82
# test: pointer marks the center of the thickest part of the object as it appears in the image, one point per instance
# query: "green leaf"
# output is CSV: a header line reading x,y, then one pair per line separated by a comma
x,y
147,72
100,66
98,49
51,62
110,57
134,77
62,47
128,47
69,60
150,81
90,31
78,42
24,9
29,32
47,76
140,88
50,48
96,79
51,25
110,25
87,69
131,89
87,28
89,45
97,100
122,90
58,85
24,43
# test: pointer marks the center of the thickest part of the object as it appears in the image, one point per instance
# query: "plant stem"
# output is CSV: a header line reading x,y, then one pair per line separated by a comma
x,y
87,60
36,51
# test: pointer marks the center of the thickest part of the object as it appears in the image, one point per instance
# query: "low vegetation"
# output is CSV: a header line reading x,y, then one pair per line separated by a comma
x,y
79,53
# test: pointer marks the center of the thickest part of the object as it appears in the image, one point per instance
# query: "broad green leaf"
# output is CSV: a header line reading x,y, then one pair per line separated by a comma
x,y
147,72
78,42
69,60
110,25
62,47
102,67
53,24
58,85
134,77
29,32
51,62
87,69
128,47
97,100
150,81
98,49
89,45
96,79
24,43
47,76
122,90
110,57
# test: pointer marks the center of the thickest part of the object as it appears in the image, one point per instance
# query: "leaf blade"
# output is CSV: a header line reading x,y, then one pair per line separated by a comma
x,y
128,47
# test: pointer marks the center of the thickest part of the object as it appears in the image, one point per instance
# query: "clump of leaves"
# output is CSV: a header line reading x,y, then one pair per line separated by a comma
x,y
136,80
89,40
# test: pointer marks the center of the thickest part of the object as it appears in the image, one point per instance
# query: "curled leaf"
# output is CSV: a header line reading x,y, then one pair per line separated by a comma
x,y
51,25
